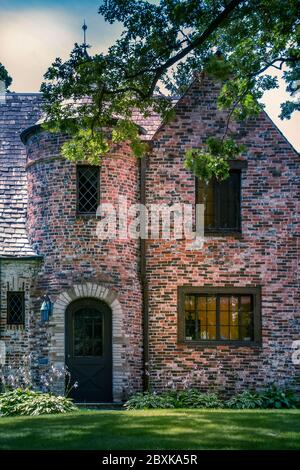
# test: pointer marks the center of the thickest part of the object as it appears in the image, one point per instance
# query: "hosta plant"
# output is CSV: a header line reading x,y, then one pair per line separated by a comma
x,y
245,400
29,403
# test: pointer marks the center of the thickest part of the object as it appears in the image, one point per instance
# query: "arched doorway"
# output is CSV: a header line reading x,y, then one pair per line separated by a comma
x,y
88,350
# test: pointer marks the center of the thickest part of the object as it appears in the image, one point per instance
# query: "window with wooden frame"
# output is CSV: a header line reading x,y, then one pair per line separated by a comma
x,y
15,308
88,189
222,201
219,315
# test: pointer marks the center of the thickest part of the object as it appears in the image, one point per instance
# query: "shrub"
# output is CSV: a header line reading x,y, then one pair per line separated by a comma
x,y
276,398
148,400
28,403
173,399
194,399
245,400
191,398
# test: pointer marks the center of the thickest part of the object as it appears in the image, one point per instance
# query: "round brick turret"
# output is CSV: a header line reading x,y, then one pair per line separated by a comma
x,y
76,263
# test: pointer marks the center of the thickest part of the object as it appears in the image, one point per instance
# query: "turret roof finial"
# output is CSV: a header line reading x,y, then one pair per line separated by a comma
x,y
84,27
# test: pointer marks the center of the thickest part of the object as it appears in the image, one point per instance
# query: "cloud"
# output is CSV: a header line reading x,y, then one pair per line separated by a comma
x,y
30,39
32,36
272,99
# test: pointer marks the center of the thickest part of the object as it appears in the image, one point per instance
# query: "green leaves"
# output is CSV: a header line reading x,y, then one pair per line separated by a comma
x,y
236,96
4,76
29,403
245,400
87,146
217,67
212,161
160,48
192,398
126,130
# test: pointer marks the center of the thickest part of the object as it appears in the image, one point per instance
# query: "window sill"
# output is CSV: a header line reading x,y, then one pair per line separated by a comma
x,y
86,216
232,344
15,326
223,233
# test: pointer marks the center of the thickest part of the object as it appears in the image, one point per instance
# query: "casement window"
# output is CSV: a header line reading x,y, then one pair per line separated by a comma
x,y
88,189
222,203
15,308
219,315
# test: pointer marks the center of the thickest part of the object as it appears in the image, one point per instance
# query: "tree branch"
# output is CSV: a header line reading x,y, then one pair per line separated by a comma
x,y
198,41
193,44
282,60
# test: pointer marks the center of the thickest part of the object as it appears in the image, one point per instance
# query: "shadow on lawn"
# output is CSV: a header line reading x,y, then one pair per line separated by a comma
x,y
160,429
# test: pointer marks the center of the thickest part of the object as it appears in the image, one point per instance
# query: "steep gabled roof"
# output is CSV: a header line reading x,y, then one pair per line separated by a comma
x,y
23,112
18,112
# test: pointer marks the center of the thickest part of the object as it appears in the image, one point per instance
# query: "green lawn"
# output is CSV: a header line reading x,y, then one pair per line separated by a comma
x,y
159,429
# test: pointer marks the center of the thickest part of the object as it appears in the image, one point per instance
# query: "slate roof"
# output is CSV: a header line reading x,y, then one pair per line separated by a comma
x,y
23,111
19,111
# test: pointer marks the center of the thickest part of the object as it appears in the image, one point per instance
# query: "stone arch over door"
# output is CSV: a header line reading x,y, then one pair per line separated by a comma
x,y
57,348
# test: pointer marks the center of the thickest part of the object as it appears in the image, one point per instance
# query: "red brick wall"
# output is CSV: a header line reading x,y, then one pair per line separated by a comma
x,y
72,252
264,255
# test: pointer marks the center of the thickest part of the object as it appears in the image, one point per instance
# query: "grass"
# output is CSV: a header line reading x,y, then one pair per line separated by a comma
x,y
157,429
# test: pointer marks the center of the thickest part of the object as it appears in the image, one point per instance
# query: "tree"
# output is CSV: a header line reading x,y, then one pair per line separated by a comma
x,y
161,46
4,76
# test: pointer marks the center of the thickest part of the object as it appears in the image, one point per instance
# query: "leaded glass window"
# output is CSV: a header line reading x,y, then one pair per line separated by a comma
x,y
88,332
15,308
222,202
219,315
87,189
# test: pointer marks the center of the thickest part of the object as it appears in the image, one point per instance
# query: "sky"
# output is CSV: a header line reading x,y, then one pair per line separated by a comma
x,y
34,32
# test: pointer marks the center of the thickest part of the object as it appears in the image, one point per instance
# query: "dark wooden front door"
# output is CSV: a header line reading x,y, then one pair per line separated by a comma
x,y
89,350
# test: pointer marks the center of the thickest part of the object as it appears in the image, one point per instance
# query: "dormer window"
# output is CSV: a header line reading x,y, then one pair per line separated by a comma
x,y
88,189
222,203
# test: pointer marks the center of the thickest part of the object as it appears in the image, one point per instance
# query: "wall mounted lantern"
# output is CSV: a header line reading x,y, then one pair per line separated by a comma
x,y
46,308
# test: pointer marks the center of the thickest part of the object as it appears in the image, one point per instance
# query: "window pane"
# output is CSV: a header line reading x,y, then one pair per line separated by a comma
x,y
246,334
224,332
189,302
246,315
245,309
88,189
206,196
234,310
202,317
211,303
207,316
88,332
230,201
222,317
211,332
190,317
211,317
224,310
15,308
234,332
222,202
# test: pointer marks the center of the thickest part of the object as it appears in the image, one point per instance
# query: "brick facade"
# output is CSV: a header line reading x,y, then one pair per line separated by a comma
x,y
265,254
74,256
68,261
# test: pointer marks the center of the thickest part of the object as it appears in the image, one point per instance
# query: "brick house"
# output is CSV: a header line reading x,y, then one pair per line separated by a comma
x,y
221,318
